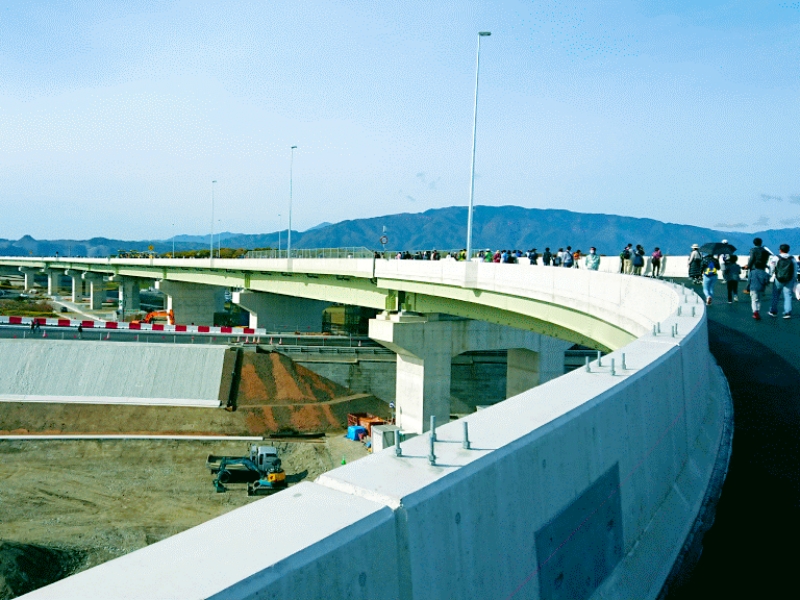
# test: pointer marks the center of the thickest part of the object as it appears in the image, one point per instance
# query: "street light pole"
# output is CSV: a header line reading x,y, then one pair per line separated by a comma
x,y
474,135
173,240
211,248
289,233
280,227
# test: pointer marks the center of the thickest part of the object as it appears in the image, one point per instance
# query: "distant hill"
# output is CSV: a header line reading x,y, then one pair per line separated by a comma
x,y
511,227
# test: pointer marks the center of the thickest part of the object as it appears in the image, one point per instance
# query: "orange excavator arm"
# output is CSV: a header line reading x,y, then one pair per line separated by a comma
x,y
168,315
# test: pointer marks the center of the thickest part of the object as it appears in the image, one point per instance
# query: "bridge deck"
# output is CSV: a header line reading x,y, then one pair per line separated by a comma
x,y
745,552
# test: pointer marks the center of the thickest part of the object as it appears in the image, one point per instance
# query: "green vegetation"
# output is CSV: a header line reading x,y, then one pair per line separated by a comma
x,y
26,308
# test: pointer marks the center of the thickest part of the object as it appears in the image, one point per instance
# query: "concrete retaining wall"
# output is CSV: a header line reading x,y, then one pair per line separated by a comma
x,y
110,372
584,487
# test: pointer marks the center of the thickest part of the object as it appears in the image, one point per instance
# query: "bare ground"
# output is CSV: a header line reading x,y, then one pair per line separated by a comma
x,y
66,506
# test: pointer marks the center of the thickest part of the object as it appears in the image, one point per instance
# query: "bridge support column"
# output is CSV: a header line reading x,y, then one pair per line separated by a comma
x,y
281,313
53,282
528,368
77,284
29,275
423,345
97,290
192,303
128,295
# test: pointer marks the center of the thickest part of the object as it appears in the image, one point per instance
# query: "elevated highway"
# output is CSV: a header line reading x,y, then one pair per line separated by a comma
x,y
591,485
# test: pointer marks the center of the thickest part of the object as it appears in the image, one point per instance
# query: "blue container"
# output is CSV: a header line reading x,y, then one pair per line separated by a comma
x,y
356,432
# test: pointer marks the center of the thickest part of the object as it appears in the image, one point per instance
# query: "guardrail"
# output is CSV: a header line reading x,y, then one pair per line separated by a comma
x,y
351,252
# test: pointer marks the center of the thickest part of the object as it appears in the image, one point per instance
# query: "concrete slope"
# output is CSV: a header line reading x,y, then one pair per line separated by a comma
x,y
109,372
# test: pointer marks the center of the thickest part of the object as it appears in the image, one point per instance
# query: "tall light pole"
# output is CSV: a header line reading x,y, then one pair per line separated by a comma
x,y
211,248
219,239
474,132
280,226
173,240
289,233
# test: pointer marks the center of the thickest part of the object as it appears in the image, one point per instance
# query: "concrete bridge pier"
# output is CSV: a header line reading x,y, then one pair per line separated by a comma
x,y
77,284
425,345
29,274
97,290
53,281
192,303
274,311
527,368
128,294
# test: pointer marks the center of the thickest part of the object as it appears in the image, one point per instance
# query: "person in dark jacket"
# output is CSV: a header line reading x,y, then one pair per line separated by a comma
x,y
547,257
759,256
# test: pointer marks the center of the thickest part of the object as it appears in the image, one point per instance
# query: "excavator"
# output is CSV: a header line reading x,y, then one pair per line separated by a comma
x,y
261,470
157,315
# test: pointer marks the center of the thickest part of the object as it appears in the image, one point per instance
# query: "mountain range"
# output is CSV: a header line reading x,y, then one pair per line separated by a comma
x,y
510,227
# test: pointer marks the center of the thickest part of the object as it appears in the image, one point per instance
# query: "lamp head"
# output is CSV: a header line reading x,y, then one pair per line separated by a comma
x,y
484,33
293,147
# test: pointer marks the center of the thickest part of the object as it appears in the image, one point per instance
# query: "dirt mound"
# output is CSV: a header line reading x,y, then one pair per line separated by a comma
x,y
276,379
26,567
273,394
323,416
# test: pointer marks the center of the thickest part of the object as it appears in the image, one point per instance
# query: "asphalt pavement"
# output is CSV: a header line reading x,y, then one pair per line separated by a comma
x,y
751,551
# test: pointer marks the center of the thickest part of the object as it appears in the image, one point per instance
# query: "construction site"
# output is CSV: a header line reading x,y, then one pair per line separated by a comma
x,y
69,504
105,444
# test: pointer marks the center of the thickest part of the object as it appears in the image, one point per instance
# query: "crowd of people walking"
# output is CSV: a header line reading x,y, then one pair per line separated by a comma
x,y
764,271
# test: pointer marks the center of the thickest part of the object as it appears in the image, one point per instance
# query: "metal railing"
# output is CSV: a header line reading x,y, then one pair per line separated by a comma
x,y
352,252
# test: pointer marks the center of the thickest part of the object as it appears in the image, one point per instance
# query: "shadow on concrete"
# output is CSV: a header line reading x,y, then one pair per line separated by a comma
x,y
751,551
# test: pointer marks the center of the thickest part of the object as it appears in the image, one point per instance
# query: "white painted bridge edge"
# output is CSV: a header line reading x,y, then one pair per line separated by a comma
x,y
504,519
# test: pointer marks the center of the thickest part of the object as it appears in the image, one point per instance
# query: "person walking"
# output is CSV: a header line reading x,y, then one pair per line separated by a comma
x,y
80,331
558,257
576,258
695,264
547,257
784,279
567,259
710,268
731,274
758,282
757,260
655,262
625,259
637,262
592,260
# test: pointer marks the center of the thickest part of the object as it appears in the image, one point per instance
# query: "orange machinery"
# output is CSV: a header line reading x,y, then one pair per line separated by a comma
x,y
157,315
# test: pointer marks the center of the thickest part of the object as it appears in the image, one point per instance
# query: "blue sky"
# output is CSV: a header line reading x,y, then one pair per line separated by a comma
x,y
116,116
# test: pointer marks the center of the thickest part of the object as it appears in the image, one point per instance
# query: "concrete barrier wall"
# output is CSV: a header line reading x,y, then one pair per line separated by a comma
x,y
64,371
584,487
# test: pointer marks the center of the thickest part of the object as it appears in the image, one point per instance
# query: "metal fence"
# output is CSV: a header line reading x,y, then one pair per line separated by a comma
x,y
352,252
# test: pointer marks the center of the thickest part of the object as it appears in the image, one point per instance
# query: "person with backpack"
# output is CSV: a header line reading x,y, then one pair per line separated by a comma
x,y
637,262
696,264
625,259
784,278
655,261
558,257
710,269
568,260
731,274
546,257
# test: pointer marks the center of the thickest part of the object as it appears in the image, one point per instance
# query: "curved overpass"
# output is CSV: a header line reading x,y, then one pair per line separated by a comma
x,y
587,486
